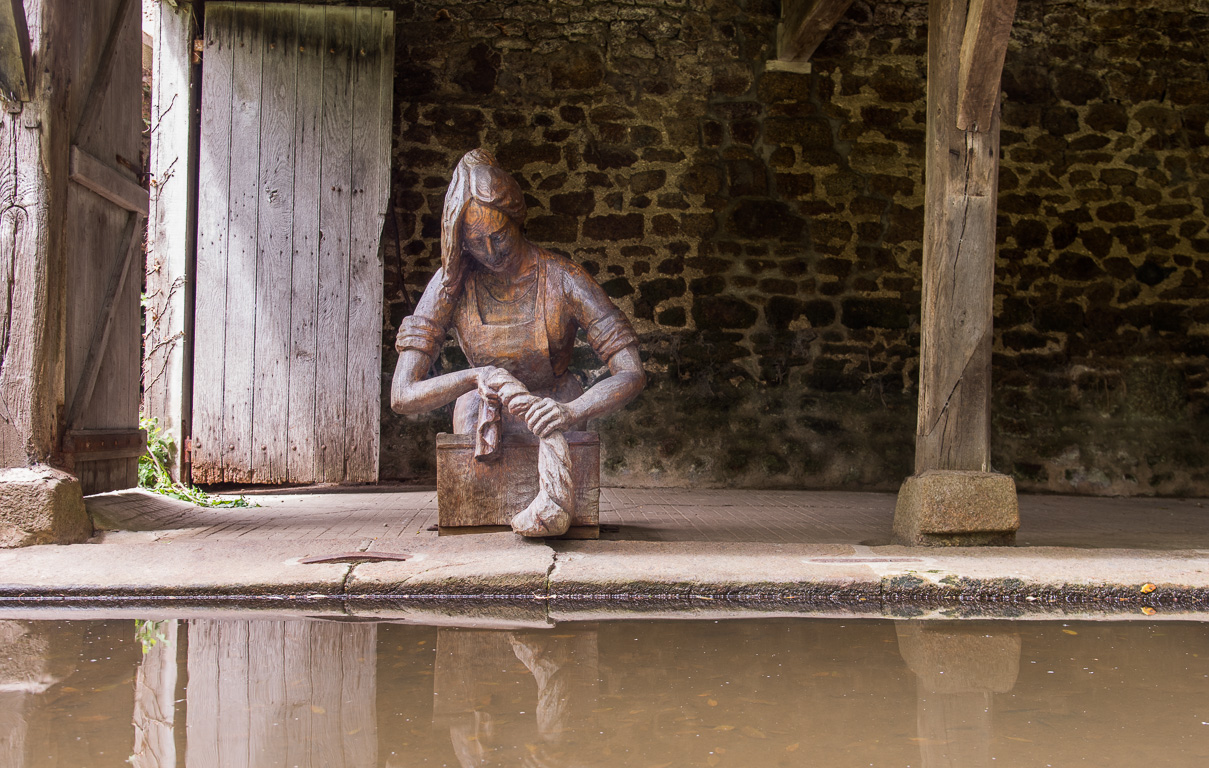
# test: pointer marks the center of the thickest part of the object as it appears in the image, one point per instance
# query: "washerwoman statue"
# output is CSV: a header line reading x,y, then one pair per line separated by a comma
x,y
515,308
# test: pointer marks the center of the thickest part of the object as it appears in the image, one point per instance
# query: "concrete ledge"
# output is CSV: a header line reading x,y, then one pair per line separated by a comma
x,y
956,508
41,505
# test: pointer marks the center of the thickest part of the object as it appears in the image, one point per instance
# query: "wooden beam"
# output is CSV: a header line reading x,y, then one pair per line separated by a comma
x,y
100,336
107,182
168,338
962,169
804,24
104,69
983,48
14,50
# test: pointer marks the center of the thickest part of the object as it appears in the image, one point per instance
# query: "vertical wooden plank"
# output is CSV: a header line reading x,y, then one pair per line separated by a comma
x,y
954,426
242,224
102,371
358,710
155,703
334,223
214,171
304,290
267,674
270,416
364,369
327,674
202,694
298,693
169,284
233,684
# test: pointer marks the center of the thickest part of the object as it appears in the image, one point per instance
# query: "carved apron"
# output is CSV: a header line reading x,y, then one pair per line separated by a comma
x,y
522,349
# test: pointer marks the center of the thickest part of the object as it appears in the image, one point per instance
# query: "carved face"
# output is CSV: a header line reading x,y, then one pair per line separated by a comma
x,y
491,238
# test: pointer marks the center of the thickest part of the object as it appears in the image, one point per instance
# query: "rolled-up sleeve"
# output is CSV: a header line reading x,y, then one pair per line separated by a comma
x,y
610,334
421,334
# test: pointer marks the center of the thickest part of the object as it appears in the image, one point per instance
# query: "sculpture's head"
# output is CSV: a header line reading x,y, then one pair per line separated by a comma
x,y
483,216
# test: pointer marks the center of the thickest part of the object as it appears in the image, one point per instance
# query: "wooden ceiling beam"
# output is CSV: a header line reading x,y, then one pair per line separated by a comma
x,y
983,48
804,24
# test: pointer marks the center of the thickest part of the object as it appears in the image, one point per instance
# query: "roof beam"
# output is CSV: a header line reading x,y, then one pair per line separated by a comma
x,y
983,48
804,24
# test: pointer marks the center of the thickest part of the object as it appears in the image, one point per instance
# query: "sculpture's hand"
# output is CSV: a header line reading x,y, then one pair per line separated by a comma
x,y
547,416
491,379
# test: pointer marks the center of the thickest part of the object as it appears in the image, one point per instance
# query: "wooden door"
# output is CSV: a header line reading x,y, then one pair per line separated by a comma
x,y
102,238
293,181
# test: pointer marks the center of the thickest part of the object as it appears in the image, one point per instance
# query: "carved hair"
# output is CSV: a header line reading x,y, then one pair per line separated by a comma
x,y
479,178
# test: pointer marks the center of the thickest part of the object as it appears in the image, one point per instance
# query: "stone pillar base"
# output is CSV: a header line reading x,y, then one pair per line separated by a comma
x,y
953,508
40,505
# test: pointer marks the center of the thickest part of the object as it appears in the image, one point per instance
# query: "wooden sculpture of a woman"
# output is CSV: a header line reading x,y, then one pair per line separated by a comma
x,y
515,308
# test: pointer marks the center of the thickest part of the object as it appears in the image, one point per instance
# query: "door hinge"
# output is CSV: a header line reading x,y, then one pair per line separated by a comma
x,y
199,45
187,451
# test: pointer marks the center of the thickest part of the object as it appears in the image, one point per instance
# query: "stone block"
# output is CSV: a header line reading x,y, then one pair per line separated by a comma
x,y
956,508
40,505
477,495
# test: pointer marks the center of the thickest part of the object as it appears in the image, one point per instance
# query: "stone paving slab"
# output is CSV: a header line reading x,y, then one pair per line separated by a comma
x,y
682,552
137,566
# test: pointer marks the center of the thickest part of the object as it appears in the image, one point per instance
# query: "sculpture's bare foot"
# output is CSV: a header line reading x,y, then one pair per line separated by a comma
x,y
537,521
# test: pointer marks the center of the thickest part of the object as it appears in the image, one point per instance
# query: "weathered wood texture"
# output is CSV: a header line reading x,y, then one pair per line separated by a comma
x,y
954,425
168,322
62,243
155,703
804,24
296,110
480,493
983,49
104,235
14,50
32,196
281,693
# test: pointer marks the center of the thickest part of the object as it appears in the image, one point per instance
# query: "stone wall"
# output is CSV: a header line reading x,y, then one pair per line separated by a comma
x,y
763,229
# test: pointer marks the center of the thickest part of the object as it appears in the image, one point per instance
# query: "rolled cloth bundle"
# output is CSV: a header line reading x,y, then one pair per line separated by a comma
x,y
549,514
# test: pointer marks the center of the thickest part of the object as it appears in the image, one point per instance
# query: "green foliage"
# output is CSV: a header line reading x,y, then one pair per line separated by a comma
x,y
154,477
148,633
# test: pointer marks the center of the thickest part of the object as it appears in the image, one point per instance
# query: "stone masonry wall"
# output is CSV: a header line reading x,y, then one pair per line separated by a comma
x,y
763,229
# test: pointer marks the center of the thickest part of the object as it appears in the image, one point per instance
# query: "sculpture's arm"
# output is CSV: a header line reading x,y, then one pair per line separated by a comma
x,y
606,396
411,393
419,342
611,394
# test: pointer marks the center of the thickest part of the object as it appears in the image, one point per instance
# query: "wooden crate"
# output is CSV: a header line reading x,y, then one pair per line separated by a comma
x,y
479,496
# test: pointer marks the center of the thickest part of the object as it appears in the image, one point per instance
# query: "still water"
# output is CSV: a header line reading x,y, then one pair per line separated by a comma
x,y
792,692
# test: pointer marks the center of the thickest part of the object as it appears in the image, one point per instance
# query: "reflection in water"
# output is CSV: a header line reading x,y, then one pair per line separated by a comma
x,y
155,702
740,693
270,693
28,668
480,687
959,667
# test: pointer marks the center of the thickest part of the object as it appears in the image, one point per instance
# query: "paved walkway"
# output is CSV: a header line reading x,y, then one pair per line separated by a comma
x,y
713,554
390,513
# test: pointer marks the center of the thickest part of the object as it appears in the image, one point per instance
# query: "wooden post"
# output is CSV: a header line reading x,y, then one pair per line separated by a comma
x,y
954,498
171,230
34,143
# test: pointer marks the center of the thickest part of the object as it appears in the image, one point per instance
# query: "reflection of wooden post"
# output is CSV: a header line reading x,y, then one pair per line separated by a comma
x,y
954,498
281,693
155,704
958,670
35,658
